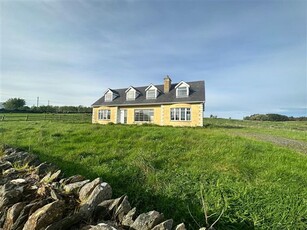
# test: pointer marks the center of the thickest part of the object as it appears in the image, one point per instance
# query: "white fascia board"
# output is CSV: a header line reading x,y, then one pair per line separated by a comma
x,y
182,83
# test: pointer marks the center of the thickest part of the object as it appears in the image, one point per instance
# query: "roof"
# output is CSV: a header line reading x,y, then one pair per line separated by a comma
x,y
197,94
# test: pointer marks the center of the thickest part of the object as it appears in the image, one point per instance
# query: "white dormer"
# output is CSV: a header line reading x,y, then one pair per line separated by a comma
x,y
131,94
110,95
152,92
182,89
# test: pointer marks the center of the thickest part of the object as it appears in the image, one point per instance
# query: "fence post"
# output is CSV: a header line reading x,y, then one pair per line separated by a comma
x,y
27,117
2,119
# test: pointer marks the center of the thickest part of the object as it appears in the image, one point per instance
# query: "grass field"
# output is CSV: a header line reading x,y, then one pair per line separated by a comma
x,y
256,172
69,117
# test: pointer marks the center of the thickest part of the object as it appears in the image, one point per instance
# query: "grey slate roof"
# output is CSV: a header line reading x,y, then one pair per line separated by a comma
x,y
197,94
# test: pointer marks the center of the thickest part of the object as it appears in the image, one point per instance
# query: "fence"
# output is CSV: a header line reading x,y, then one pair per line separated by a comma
x,y
47,117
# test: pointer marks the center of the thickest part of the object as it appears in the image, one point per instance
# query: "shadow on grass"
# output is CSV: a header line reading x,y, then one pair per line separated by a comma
x,y
145,199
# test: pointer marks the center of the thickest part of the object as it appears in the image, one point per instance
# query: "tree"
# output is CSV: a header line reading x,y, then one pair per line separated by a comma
x,y
14,104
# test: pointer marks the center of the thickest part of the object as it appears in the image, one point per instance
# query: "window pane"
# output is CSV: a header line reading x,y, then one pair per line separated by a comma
x,y
104,114
182,92
188,114
172,114
182,115
143,114
177,114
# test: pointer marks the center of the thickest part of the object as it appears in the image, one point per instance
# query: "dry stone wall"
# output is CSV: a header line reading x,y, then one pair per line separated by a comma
x,y
35,196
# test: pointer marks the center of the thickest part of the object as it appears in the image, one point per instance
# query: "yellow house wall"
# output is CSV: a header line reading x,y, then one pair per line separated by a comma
x,y
196,115
161,114
113,115
157,114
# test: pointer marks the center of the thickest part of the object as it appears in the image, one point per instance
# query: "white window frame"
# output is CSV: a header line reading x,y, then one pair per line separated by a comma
x,y
150,88
180,89
182,85
180,114
134,91
104,114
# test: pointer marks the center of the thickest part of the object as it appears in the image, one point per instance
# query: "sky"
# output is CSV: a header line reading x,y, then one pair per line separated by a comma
x,y
251,54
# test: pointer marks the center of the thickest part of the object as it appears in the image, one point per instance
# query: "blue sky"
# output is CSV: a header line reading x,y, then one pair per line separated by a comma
x,y
251,54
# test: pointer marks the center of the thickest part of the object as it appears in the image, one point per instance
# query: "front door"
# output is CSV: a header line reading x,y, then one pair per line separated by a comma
x,y
123,116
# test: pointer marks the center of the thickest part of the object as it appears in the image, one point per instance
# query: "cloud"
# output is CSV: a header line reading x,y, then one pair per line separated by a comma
x,y
251,55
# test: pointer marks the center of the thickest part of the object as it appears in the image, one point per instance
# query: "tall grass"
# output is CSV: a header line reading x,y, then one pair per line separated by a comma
x,y
173,170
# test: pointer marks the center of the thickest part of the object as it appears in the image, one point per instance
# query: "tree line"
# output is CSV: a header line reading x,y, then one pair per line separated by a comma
x,y
273,117
19,105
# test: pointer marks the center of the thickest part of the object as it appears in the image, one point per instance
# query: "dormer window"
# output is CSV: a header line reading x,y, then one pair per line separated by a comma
x,y
110,95
131,94
151,92
182,89
182,92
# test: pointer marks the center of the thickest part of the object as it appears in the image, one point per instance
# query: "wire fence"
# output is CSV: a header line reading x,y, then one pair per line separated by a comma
x,y
84,117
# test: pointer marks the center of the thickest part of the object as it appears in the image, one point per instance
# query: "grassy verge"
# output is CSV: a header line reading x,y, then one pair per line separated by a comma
x,y
257,184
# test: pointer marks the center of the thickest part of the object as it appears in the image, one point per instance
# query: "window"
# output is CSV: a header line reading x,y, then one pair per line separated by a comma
x,y
104,114
143,114
108,97
130,95
182,92
180,114
151,94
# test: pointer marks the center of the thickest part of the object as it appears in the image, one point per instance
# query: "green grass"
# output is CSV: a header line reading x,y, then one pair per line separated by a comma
x,y
69,117
258,184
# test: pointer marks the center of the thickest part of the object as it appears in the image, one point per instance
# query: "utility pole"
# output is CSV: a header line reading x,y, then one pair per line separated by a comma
x,y
37,100
48,102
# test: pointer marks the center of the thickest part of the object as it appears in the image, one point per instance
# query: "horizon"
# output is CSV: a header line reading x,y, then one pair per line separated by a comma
x,y
251,54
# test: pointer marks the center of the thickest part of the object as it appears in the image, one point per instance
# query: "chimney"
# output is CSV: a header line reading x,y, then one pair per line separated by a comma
x,y
167,84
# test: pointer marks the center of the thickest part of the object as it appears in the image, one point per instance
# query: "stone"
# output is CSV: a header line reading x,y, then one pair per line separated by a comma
x,y
26,211
101,192
166,225
54,195
51,177
147,221
45,216
43,168
100,226
87,189
12,215
122,209
21,158
73,179
180,227
19,181
5,165
9,172
66,222
55,176
46,178
10,194
129,218
102,211
74,187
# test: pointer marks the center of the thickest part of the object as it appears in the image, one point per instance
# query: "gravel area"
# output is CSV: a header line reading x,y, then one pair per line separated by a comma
x,y
299,146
